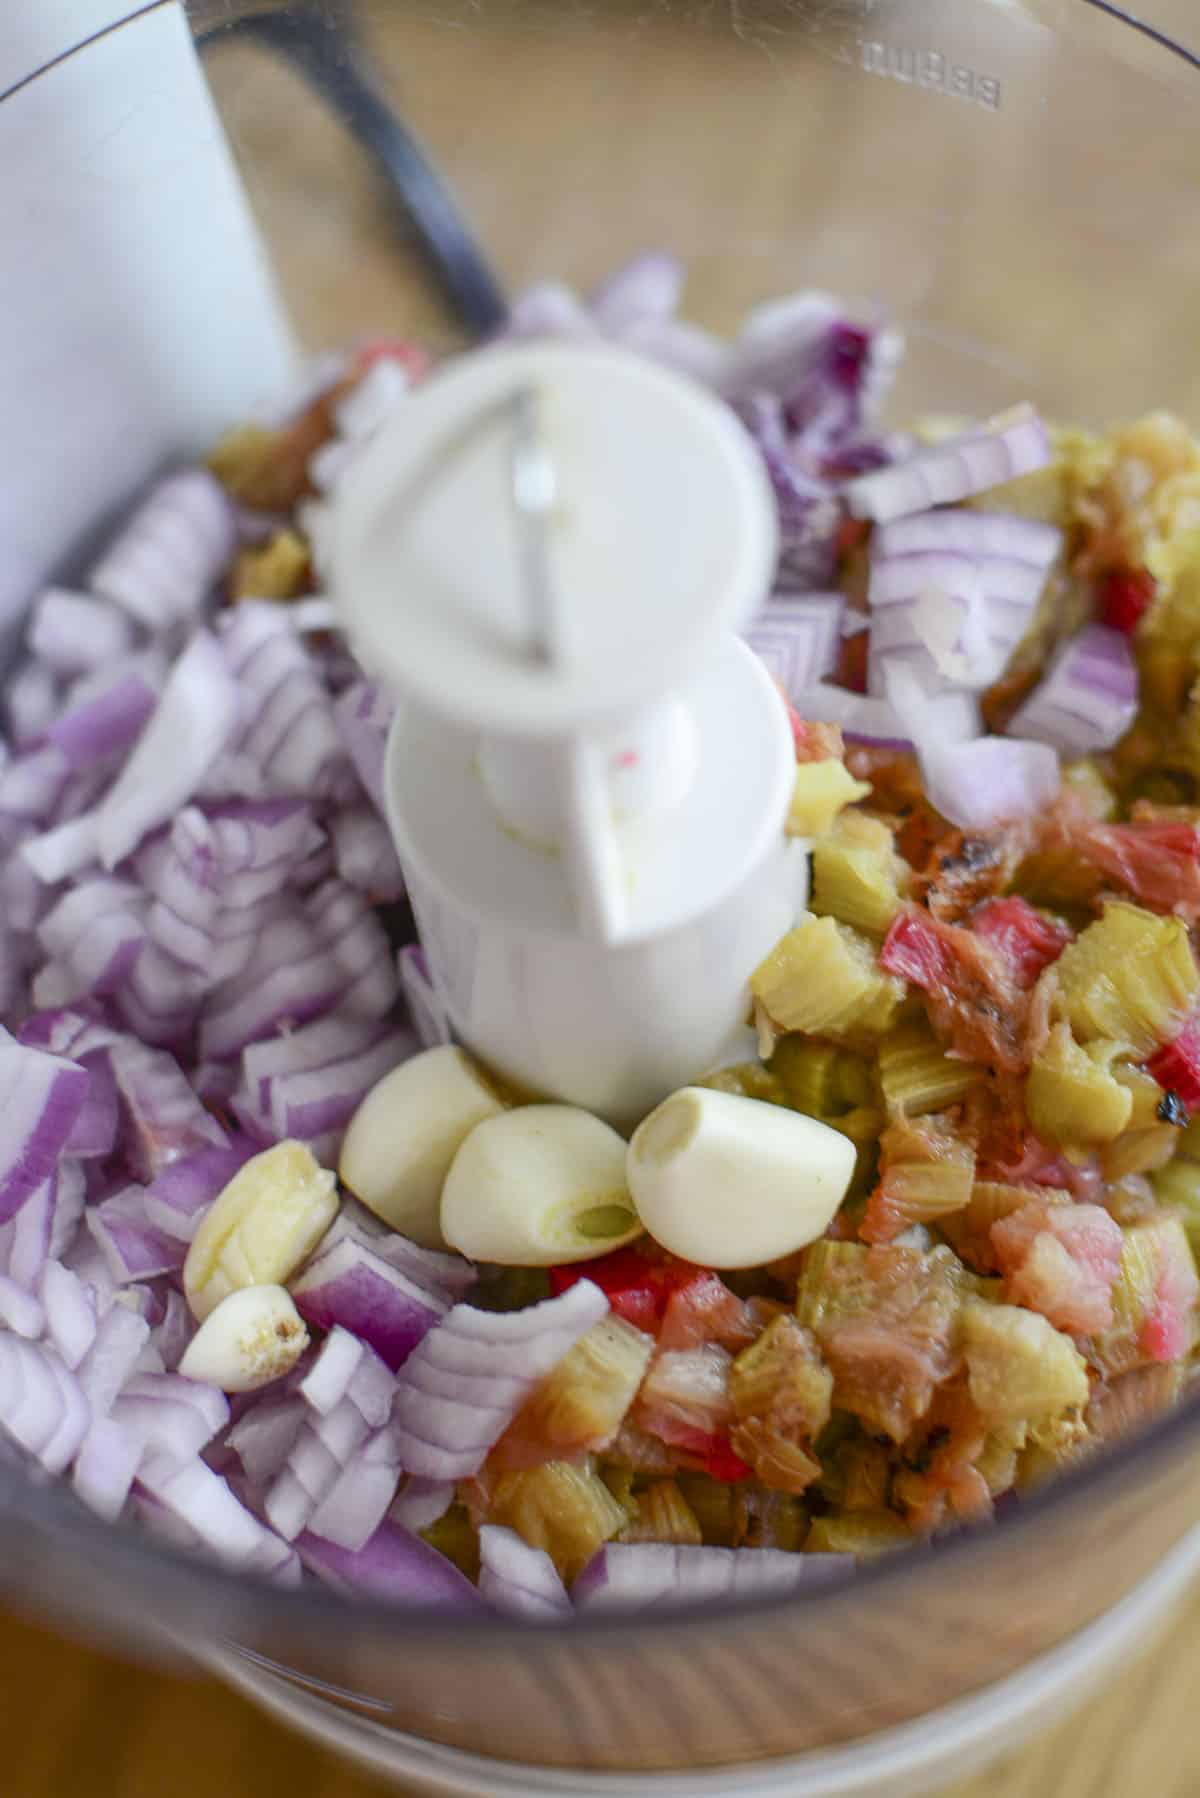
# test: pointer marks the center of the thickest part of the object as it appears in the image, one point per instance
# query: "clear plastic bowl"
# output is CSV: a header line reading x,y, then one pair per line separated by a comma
x,y
1018,184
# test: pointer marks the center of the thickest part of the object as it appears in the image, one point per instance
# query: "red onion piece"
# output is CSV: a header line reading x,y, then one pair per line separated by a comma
x,y
365,855
798,638
426,1007
648,287
1013,444
164,564
993,781
518,1579
20,1311
133,1249
346,1367
193,722
104,714
70,1310
985,537
41,1096
438,1270
72,633
201,1499
121,1335
265,1435
466,1381
352,1286
105,1467
363,717
638,1576
395,1566
357,1502
421,1502
1088,699
178,1197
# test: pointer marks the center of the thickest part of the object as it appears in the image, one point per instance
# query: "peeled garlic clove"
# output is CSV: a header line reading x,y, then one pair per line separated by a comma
x,y
537,1186
258,1230
733,1182
254,1336
403,1137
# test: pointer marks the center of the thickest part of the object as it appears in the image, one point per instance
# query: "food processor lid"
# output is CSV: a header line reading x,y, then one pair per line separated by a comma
x,y
550,538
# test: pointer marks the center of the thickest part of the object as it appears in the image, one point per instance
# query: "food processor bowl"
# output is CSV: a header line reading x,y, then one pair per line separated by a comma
x,y
1014,184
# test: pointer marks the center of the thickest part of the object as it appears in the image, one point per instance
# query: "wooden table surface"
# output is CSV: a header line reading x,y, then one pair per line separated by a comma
x,y
82,1725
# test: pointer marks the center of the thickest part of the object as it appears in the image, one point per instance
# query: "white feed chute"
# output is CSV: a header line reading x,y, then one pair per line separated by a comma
x,y
549,553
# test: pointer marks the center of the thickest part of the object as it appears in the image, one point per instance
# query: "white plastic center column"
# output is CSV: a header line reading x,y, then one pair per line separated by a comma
x,y
548,554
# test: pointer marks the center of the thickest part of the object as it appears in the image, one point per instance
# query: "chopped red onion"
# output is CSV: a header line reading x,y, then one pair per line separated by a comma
x,y
192,723
104,713
346,1367
20,1311
649,287
315,1104
42,1407
133,1249
334,952
163,566
426,1007
324,1446
94,934
365,855
95,1129
265,1435
420,1502
201,1499
105,1467
70,1309
1002,537
993,781
219,878
798,639
353,1286
72,633
518,1579
465,1382
363,716
1088,699
829,373
178,1197
436,1269
31,786
1015,443
26,1239
290,739
31,702
395,1566
161,1119
41,1097
357,1502
638,1576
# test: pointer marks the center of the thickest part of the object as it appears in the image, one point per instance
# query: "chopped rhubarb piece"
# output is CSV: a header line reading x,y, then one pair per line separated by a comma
x,y
1061,1260
1177,1066
1027,941
391,349
916,950
1126,594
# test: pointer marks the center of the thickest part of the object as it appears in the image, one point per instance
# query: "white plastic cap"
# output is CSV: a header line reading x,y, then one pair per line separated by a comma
x,y
645,496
